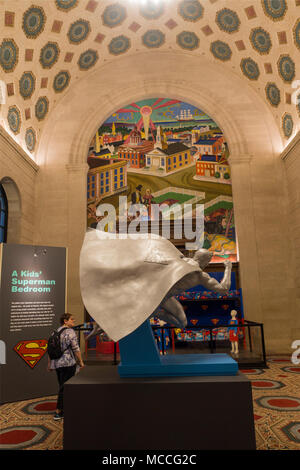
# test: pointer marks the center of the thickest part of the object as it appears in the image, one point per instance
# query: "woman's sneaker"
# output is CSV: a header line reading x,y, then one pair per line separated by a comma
x,y
58,416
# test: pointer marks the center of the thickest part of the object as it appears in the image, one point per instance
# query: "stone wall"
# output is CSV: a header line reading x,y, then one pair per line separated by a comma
x,y
265,195
18,174
291,162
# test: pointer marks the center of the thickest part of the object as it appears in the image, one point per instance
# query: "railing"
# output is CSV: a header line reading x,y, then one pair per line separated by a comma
x,y
82,328
211,338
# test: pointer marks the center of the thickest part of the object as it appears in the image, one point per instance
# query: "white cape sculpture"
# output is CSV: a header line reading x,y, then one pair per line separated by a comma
x,y
125,278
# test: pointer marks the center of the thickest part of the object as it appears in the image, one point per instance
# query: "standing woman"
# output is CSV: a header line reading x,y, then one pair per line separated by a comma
x,y
65,366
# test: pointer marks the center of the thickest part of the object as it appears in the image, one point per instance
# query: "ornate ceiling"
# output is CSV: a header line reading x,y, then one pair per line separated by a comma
x,y
47,45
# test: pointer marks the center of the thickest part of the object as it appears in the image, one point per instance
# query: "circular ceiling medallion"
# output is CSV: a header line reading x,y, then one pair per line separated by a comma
x,y
273,94
190,10
250,68
260,40
33,21
27,85
113,15
41,108
275,9
188,40
287,125
66,5
221,50
296,32
14,119
87,59
49,55
30,139
119,45
79,31
286,68
61,81
228,20
8,55
153,38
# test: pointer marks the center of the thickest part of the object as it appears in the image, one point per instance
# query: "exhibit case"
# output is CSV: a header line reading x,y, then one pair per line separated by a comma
x,y
205,339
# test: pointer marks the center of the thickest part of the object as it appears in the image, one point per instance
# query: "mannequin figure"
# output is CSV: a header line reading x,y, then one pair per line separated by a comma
x,y
166,338
233,333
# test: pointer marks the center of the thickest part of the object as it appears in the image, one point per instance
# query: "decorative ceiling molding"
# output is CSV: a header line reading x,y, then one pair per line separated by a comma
x,y
47,46
12,144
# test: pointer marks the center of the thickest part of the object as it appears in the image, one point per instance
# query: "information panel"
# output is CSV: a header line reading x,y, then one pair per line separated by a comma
x,y
32,298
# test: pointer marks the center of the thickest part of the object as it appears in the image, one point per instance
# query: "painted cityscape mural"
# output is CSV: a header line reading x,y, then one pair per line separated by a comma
x,y
167,152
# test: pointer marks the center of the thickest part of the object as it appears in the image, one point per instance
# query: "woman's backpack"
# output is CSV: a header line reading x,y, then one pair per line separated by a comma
x,y
54,348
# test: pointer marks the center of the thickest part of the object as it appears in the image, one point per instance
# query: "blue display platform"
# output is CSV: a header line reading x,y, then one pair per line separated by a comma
x,y
182,365
140,358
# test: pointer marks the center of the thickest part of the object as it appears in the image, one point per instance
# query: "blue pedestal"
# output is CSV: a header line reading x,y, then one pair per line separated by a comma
x,y
140,358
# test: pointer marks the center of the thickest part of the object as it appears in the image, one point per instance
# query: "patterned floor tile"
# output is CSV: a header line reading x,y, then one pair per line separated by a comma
x,y
276,405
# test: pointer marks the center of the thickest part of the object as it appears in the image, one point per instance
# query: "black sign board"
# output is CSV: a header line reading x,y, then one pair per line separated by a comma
x,y
32,298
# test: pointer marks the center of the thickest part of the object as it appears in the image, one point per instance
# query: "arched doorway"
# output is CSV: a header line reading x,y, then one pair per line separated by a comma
x,y
167,158
13,200
254,143
3,215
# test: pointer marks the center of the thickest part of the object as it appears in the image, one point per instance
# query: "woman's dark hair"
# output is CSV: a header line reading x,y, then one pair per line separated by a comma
x,y
65,317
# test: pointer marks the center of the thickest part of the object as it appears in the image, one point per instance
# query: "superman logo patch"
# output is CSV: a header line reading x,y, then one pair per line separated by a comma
x,y
31,351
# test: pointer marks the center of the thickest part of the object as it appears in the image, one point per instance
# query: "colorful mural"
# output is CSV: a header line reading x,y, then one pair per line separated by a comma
x,y
166,152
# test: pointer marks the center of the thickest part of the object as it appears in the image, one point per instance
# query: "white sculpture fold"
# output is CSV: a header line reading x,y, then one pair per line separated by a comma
x,y
124,278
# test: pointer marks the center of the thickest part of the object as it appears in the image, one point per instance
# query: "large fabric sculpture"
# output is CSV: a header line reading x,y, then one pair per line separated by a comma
x,y
125,278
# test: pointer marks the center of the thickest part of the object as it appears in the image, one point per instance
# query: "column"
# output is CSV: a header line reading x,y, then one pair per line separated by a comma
x,y
258,196
77,217
245,232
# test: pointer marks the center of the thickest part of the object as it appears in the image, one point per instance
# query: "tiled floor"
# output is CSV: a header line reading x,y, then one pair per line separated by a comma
x,y
276,400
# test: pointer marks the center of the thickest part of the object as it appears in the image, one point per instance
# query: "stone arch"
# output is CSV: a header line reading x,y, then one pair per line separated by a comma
x,y
3,214
254,141
244,117
14,209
